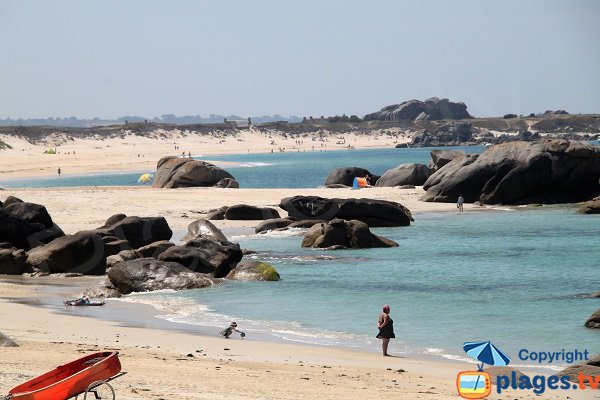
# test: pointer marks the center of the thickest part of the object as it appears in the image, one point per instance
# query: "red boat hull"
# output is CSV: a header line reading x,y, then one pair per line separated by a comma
x,y
71,379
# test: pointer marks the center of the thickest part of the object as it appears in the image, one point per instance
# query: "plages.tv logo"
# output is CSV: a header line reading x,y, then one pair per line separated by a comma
x,y
478,384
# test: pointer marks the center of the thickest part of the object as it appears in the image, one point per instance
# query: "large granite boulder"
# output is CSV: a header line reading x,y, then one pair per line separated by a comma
x,y
594,320
430,109
573,372
337,234
228,183
31,213
17,231
80,253
12,200
370,211
138,231
155,249
5,341
405,174
439,158
174,172
254,271
345,176
217,215
125,255
590,207
272,224
13,261
246,212
148,274
203,228
206,256
551,171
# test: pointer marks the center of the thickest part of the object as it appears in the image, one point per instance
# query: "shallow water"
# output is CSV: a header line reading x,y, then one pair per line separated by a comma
x,y
266,170
518,278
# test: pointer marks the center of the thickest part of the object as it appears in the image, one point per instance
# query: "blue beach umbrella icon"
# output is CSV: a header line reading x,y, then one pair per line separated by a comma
x,y
487,353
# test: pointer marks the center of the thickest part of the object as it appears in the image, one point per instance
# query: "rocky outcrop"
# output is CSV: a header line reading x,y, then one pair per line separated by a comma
x,y
439,158
174,172
405,174
26,225
430,109
13,261
372,212
594,320
138,231
272,224
217,215
245,212
337,234
254,271
228,183
553,171
573,372
345,176
590,207
80,253
453,134
155,249
202,228
148,274
12,200
124,255
5,341
206,256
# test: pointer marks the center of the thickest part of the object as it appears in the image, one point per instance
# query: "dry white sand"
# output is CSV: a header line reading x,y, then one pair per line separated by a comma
x,y
139,153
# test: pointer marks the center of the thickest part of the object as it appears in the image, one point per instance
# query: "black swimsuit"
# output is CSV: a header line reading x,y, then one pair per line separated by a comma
x,y
387,332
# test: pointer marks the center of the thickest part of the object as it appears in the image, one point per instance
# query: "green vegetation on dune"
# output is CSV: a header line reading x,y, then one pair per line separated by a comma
x,y
4,145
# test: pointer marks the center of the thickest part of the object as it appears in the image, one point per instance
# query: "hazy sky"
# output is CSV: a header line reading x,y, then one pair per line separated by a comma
x,y
112,58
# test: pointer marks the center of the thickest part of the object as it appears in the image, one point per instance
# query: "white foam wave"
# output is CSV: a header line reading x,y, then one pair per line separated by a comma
x,y
254,164
291,232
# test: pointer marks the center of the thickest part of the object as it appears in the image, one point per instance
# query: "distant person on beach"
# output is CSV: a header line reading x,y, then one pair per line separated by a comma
x,y
230,329
368,179
59,171
460,202
386,329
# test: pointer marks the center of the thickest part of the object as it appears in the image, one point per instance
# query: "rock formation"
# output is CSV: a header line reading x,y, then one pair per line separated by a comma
x,y
372,212
345,176
254,271
174,172
148,274
430,109
553,171
405,174
340,234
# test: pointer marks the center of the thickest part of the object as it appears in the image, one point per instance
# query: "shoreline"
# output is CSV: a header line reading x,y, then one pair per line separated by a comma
x,y
160,360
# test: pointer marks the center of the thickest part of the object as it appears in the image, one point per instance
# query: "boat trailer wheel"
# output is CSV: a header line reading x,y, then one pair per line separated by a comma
x,y
98,394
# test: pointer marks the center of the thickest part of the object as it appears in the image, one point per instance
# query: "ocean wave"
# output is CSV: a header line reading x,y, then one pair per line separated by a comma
x,y
253,164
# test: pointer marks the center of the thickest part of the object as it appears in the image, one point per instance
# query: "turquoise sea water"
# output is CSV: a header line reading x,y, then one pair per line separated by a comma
x,y
516,276
266,170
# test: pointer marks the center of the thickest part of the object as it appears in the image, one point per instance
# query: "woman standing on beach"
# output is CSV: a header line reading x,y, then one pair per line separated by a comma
x,y
386,329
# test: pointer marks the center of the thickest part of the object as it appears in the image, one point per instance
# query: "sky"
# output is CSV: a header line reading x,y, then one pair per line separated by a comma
x,y
307,58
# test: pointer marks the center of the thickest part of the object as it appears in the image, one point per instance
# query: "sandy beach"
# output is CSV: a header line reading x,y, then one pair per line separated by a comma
x,y
139,153
157,360
159,365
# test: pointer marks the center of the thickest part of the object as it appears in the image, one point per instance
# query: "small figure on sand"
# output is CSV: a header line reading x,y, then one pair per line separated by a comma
x,y
230,329
460,202
386,329
59,171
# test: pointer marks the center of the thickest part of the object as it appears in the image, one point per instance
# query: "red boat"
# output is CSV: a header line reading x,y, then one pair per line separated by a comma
x,y
69,380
